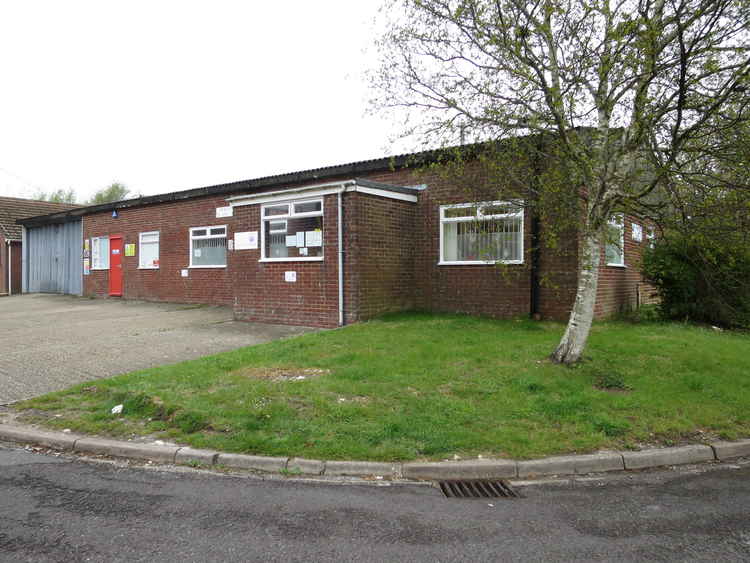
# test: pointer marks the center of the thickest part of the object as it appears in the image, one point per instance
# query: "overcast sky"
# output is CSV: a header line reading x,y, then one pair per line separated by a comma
x,y
169,95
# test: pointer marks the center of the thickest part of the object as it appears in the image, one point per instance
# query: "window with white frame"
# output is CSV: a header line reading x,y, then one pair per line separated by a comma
x,y
292,230
100,253
481,233
615,247
208,247
148,250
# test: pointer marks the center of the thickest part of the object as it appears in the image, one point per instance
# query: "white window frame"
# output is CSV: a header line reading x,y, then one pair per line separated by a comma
x,y
617,221
158,249
291,214
480,217
208,235
98,239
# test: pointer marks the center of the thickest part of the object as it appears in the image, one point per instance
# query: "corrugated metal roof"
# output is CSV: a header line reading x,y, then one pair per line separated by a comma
x,y
13,208
351,169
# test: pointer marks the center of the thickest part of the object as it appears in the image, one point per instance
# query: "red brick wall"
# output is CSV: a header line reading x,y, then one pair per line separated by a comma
x,y
16,264
261,294
3,265
558,275
173,221
619,286
379,258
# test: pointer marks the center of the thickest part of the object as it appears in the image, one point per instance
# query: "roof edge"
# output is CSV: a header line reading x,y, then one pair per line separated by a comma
x,y
352,169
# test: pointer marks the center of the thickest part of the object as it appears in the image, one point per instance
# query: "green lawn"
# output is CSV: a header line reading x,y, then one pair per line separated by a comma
x,y
414,386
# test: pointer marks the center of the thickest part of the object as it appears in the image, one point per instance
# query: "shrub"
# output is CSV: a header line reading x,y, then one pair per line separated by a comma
x,y
701,279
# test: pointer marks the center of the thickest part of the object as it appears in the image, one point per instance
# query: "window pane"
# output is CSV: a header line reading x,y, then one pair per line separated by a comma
x,y
198,233
613,249
460,212
149,237
218,231
472,241
210,252
104,252
278,227
149,255
308,207
504,209
302,238
276,210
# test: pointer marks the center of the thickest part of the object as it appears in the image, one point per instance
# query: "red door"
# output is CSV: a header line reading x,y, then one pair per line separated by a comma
x,y
115,265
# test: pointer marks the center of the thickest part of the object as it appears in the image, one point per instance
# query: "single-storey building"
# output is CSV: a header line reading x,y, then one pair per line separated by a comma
x,y
336,245
12,209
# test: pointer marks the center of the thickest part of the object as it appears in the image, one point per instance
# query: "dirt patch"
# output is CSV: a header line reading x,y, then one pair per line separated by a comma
x,y
282,374
358,399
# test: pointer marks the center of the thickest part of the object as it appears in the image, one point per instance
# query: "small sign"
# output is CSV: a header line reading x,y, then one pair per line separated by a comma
x,y
86,267
290,277
130,250
291,240
230,244
224,211
184,273
300,239
115,251
246,241
314,238
637,232
86,244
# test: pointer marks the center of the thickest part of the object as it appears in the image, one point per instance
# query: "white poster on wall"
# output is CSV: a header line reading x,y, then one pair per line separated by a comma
x,y
247,240
224,211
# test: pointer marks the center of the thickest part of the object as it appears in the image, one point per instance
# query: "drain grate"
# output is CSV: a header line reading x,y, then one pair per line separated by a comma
x,y
478,488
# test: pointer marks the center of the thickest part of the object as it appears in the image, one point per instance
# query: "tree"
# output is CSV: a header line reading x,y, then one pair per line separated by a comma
x,y
57,196
629,90
113,192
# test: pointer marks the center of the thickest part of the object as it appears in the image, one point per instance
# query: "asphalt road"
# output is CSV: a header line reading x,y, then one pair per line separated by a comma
x,y
57,509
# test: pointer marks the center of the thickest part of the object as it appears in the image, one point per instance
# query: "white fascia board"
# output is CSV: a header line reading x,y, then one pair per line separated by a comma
x,y
383,193
316,191
284,195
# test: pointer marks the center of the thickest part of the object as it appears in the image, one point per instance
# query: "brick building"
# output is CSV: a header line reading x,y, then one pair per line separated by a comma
x,y
342,244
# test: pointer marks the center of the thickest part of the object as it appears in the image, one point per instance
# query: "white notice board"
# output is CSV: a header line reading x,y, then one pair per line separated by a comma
x,y
247,240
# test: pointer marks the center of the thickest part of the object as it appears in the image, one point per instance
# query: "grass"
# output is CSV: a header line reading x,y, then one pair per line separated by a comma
x,y
418,386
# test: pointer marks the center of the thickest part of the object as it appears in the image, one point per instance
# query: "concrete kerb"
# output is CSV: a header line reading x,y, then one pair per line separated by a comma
x,y
420,471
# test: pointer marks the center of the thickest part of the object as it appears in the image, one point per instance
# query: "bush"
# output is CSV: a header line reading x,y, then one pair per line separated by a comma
x,y
701,280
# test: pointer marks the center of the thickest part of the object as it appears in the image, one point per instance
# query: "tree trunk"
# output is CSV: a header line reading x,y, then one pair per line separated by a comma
x,y
577,332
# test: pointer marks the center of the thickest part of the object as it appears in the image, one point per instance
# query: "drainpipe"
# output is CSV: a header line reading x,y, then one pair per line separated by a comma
x,y
535,297
341,257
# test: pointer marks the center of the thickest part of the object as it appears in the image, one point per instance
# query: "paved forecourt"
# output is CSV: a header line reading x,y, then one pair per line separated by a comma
x,y
53,341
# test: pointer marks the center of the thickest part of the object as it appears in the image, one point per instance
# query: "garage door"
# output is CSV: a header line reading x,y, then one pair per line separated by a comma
x,y
52,259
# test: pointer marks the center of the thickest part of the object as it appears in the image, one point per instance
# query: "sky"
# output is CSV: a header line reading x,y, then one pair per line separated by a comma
x,y
163,95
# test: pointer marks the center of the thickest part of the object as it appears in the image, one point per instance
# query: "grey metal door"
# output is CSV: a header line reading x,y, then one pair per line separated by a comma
x,y
53,261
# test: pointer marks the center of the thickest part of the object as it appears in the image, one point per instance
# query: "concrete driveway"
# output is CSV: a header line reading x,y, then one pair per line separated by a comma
x,y
49,342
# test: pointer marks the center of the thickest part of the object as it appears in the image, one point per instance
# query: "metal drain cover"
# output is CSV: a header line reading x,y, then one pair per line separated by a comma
x,y
477,488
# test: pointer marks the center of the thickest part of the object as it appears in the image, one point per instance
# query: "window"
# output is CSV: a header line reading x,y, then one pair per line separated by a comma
x,y
637,232
100,253
208,247
481,233
292,231
615,247
148,250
